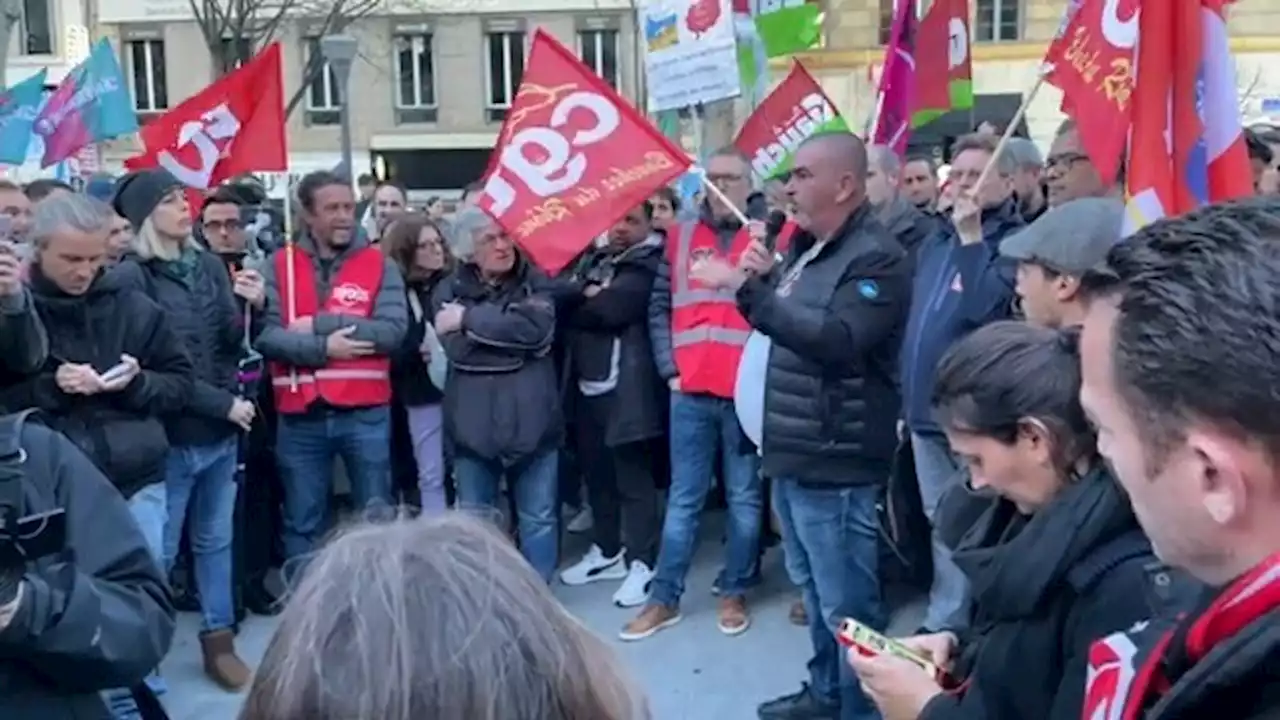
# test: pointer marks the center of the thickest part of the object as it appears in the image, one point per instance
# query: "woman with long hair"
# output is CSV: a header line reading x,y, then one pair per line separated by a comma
x,y
436,618
1056,561
417,246
193,287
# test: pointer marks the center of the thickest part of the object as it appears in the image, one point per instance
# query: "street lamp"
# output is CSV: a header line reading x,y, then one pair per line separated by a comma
x,y
339,51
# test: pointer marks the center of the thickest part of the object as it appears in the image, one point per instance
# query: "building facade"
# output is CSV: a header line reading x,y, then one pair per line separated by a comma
x,y
1009,40
430,86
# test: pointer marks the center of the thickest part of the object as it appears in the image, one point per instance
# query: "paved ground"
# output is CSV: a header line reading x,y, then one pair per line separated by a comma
x,y
691,671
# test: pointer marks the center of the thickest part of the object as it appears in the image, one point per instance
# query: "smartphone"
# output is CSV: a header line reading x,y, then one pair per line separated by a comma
x,y
870,643
39,535
115,373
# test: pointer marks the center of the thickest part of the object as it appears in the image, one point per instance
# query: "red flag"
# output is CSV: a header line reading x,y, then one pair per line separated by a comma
x,y
1093,64
943,61
571,159
892,124
234,126
796,110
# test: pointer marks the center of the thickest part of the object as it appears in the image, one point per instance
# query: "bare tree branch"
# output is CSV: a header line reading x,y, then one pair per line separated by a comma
x,y
337,18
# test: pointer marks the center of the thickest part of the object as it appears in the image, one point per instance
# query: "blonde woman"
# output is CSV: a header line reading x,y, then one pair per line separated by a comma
x,y
191,285
435,618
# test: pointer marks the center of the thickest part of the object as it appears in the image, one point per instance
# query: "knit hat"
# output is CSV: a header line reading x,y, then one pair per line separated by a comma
x,y
139,193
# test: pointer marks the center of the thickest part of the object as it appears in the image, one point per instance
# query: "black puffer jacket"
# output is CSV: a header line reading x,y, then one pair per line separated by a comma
x,y
501,400
1044,589
122,432
831,397
608,339
196,295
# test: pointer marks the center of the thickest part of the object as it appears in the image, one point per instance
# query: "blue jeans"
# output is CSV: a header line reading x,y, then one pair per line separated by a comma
x,y
534,484
937,471
832,552
203,477
306,446
150,508
701,425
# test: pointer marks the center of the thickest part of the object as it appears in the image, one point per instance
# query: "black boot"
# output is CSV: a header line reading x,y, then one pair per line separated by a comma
x,y
803,705
260,601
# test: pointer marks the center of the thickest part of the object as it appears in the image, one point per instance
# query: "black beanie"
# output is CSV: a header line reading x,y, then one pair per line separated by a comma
x,y
139,193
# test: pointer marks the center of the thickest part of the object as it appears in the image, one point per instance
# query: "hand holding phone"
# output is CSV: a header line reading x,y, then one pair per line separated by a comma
x,y
870,643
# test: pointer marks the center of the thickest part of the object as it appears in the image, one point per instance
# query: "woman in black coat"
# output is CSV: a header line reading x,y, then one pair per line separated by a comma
x,y
621,403
1056,561
417,245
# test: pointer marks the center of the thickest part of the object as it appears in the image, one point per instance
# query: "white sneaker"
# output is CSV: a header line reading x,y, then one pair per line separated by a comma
x,y
635,589
582,522
594,566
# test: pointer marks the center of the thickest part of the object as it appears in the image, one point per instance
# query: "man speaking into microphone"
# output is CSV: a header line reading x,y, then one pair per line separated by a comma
x,y
835,309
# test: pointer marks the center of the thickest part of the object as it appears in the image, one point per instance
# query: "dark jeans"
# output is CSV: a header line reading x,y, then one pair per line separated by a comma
x,y
832,552
701,426
620,486
306,447
533,484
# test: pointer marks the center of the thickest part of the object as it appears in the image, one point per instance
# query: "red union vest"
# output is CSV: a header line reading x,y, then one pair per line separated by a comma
x,y
362,382
707,331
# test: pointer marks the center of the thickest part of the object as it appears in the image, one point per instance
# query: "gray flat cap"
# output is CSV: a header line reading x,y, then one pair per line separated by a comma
x,y
1072,238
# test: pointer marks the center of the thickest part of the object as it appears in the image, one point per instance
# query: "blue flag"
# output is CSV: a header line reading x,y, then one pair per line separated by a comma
x,y
19,106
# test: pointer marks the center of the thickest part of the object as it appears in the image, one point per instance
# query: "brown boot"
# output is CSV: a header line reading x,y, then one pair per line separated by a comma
x,y
798,615
221,663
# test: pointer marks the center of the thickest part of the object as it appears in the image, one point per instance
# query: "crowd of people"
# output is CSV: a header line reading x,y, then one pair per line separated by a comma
x,y
1088,422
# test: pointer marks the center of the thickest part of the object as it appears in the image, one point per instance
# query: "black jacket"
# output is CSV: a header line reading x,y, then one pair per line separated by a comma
x,y
608,339
23,343
1044,588
501,399
831,398
122,432
907,224
202,311
409,378
99,616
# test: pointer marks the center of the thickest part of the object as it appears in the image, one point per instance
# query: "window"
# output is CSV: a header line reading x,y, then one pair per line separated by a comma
x,y
37,31
503,72
323,94
599,51
236,52
998,20
886,17
416,79
147,79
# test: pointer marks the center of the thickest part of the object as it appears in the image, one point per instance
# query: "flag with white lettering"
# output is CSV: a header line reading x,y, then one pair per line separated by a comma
x,y
573,157
796,110
91,104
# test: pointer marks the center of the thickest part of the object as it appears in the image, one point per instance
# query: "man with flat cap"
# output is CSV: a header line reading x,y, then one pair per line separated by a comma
x,y
1057,253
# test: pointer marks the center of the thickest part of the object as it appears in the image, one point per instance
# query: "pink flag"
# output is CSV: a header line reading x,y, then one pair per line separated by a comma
x,y
892,121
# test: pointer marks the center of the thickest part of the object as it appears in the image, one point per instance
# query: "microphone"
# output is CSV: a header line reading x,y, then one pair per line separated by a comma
x,y
773,228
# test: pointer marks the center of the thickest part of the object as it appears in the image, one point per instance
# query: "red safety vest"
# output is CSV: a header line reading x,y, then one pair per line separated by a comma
x,y
707,331
363,382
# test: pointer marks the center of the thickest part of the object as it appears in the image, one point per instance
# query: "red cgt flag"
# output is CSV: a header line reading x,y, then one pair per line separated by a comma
x,y
234,126
573,157
1093,64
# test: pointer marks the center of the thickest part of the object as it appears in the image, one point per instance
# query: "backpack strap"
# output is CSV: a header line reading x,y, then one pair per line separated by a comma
x,y
13,458
11,435
1133,545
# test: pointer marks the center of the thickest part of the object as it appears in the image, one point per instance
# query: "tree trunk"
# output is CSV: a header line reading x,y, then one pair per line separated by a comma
x,y
10,20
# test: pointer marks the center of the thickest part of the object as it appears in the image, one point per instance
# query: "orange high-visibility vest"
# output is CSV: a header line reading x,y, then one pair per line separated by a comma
x,y
707,331
362,382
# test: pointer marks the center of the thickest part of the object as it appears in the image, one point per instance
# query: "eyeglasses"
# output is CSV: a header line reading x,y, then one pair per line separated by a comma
x,y
1064,161
222,225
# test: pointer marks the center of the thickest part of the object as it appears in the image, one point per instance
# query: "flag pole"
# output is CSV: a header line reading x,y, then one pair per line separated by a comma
x,y
289,272
1008,131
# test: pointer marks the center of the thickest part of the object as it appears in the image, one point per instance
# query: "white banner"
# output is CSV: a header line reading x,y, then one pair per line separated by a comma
x,y
691,55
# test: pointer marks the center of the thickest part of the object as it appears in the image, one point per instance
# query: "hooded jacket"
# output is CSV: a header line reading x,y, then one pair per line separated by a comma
x,y
958,289
501,398
96,617
122,432
1044,588
608,340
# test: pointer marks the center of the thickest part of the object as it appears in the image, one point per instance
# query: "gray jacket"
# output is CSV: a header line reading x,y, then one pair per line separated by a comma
x,y
385,328
23,342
